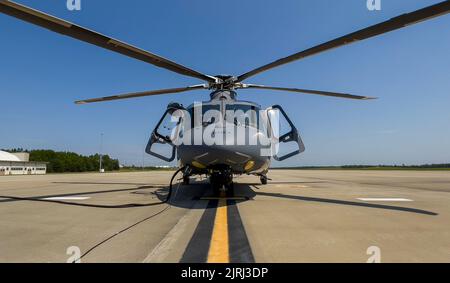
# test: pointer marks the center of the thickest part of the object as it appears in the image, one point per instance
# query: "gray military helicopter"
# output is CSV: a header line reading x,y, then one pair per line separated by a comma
x,y
219,161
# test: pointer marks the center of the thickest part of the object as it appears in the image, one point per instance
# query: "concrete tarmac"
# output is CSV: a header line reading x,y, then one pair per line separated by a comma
x,y
300,216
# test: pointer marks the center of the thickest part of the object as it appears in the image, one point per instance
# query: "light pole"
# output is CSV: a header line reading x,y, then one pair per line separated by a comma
x,y
101,149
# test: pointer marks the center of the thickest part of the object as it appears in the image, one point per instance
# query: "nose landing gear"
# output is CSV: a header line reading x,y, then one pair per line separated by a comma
x,y
222,181
186,180
263,179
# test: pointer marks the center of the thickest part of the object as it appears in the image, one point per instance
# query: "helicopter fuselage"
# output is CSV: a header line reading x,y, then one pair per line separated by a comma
x,y
224,132
223,135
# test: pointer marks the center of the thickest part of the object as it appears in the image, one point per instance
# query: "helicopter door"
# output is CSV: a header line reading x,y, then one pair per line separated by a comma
x,y
161,141
283,132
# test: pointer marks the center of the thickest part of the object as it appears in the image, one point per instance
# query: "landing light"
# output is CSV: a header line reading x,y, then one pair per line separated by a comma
x,y
198,165
249,165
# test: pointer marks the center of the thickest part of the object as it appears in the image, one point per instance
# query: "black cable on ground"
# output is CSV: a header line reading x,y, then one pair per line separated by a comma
x,y
171,181
120,232
137,223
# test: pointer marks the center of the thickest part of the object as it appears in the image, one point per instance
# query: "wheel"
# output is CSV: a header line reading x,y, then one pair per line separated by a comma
x,y
216,189
263,180
186,180
215,185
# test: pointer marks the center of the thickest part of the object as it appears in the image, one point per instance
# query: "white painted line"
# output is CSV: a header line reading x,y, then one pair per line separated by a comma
x,y
384,199
67,198
168,249
293,185
160,252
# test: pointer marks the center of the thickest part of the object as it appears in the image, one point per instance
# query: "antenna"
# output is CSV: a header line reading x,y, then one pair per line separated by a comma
x,y
101,155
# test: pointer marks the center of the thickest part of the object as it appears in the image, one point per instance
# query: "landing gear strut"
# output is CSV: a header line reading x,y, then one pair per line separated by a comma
x,y
186,180
221,181
263,179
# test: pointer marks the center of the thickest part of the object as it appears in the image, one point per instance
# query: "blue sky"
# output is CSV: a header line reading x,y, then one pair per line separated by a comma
x,y
42,73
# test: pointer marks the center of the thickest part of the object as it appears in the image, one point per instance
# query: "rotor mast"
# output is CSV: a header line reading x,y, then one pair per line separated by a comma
x,y
224,88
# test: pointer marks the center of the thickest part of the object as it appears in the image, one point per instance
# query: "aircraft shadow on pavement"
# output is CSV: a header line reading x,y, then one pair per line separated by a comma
x,y
104,183
45,198
185,196
182,195
345,202
248,191
284,183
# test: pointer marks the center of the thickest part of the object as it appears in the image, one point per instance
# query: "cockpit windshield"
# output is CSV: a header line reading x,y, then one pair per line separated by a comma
x,y
210,114
242,114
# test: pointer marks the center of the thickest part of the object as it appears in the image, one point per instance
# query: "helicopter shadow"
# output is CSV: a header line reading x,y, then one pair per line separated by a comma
x,y
255,184
243,192
182,195
106,183
48,198
185,196
344,202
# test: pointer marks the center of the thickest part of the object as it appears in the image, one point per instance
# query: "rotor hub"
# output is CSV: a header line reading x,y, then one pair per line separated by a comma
x,y
223,82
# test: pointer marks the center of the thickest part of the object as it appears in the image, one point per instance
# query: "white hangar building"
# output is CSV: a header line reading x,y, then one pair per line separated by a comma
x,y
19,164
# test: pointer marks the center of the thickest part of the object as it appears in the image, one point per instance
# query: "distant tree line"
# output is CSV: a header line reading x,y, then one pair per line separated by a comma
x,y
443,165
147,168
60,162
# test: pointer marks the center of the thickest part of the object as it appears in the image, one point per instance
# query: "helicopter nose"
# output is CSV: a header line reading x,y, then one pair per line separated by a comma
x,y
241,158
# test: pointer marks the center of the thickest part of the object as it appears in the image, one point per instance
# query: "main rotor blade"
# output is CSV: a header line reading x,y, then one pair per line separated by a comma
x,y
308,91
372,31
141,94
66,28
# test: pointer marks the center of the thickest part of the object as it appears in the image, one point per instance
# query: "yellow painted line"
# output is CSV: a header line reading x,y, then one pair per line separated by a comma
x,y
218,249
